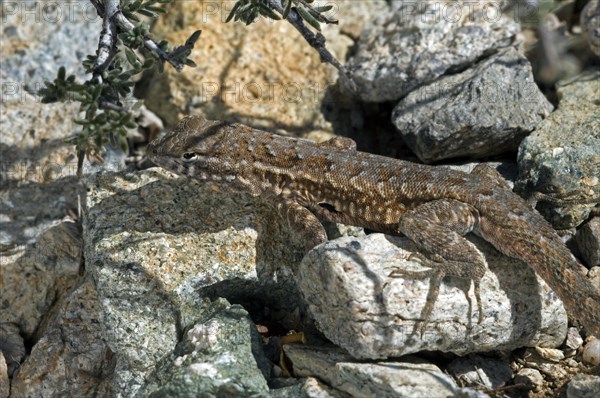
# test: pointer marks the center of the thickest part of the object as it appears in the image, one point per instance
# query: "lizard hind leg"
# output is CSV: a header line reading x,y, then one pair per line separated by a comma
x,y
437,228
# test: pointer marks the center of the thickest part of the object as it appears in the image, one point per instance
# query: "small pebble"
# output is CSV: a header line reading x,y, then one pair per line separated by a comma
x,y
591,352
531,378
551,354
574,340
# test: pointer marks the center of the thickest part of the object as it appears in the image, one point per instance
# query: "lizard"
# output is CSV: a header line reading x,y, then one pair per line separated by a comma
x,y
433,206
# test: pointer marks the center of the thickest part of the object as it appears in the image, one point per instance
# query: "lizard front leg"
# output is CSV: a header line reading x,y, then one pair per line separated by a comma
x,y
301,221
438,228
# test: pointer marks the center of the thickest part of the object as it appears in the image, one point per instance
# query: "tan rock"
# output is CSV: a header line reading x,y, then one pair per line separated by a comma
x,y
265,75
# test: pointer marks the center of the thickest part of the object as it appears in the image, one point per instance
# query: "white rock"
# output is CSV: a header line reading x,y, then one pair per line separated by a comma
x,y
359,307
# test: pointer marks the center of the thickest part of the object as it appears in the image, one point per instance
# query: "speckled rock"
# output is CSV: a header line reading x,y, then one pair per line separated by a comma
x,y
309,387
590,23
12,346
383,379
158,247
71,358
38,37
420,41
487,372
264,75
35,275
221,355
583,386
486,110
358,306
4,382
560,157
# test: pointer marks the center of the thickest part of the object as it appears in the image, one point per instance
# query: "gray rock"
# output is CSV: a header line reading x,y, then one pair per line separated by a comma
x,y
591,352
488,372
420,41
4,381
560,157
157,247
71,358
40,36
36,275
590,22
530,378
12,347
573,341
483,111
382,379
309,387
583,386
217,357
359,307
354,15
588,242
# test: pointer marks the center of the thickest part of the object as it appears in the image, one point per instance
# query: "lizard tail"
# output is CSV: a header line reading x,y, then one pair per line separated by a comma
x,y
526,235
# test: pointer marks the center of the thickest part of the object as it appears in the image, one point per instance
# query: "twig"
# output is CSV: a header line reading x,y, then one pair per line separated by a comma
x,y
115,21
108,37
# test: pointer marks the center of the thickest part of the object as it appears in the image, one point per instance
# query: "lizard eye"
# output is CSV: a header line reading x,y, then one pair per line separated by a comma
x,y
189,156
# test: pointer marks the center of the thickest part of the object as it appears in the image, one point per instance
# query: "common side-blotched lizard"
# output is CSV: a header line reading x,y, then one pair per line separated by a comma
x,y
433,206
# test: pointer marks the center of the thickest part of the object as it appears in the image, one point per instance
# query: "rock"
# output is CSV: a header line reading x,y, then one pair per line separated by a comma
x,y
583,386
421,41
591,352
36,275
531,378
483,111
398,379
573,341
490,373
72,357
354,16
590,23
39,37
33,148
560,158
157,248
588,242
358,306
221,355
12,347
4,381
551,354
264,75
309,387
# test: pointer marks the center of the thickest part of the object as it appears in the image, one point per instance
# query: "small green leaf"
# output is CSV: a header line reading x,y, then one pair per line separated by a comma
x,y
157,10
124,144
322,9
287,9
147,14
193,38
268,12
233,11
305,15
131,57
148,63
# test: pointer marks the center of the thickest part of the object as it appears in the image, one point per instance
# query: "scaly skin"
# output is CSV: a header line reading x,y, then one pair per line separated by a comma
x,y
433,206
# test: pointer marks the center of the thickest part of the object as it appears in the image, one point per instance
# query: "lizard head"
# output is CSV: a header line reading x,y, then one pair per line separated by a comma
x,y
192,149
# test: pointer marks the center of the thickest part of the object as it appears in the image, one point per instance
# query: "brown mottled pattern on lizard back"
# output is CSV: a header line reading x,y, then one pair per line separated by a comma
x,y
338,183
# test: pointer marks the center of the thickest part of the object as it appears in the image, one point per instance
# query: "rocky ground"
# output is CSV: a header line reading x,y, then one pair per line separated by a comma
x,y
131,282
